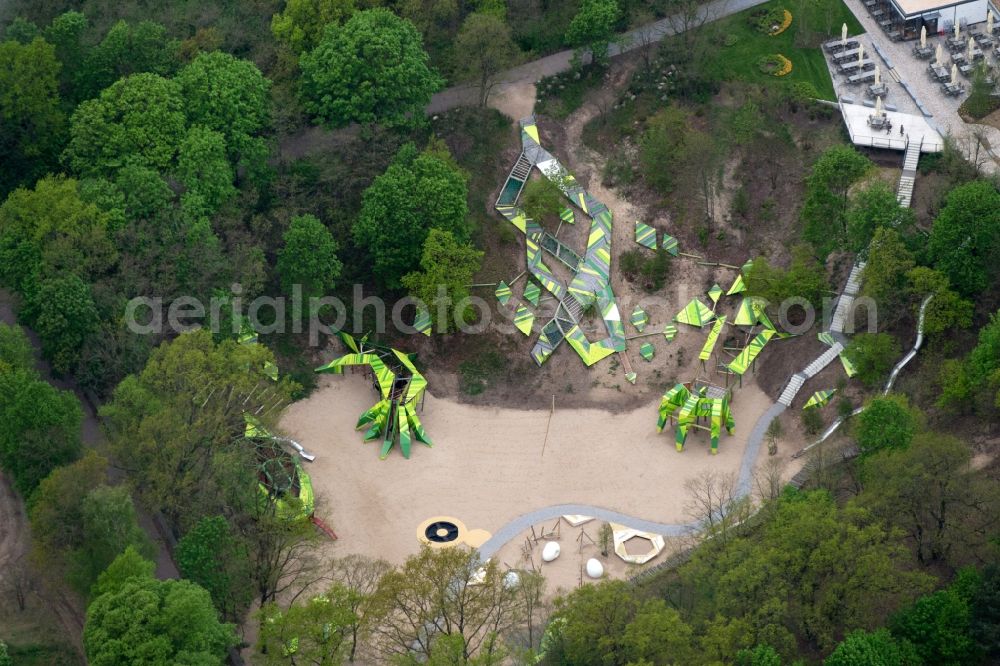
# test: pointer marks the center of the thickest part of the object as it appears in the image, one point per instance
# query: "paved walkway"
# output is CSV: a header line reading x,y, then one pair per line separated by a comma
x,y
532,72
943,109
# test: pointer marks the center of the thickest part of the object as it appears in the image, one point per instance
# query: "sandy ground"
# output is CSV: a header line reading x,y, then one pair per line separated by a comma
x,y
490,465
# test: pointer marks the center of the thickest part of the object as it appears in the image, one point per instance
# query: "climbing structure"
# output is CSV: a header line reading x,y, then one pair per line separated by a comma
x,y
280,476
393,419
590,284
686,405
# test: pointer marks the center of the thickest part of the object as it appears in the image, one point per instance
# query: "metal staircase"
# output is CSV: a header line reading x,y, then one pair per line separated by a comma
x,y
522,168
904,194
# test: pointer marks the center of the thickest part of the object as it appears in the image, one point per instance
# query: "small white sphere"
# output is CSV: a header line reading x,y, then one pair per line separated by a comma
x,y
594,568
550,551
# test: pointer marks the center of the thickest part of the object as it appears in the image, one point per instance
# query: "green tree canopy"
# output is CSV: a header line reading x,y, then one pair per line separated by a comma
x,y
444,263
48,232
156,622
63,314
130,564
593,26
824,211
110,526
965,238
211,555
309,257
430,597
300,25
137,120
929,492
203,168
607,623
814,570
884,276
872,648
804,278
872,208
946,310
124,51
887,423
873,355
373,69
419,191
542,199
229,96
15,349
56,509
486,49
39,427
314,632
32,123
174,426
939,627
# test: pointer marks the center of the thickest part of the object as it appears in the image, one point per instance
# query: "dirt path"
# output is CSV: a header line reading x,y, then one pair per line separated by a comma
x,y
15,534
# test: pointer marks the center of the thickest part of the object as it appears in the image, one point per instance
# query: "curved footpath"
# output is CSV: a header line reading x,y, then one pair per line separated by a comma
x,y
745,478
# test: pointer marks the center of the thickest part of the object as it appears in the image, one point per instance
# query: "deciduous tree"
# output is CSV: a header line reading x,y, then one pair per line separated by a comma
x,y
965,239
211,555
418,192
887,423
32,124
373,69
873,355
593,27
484,49
929,491
309,258
865,648
873,208
155,622
445,263
137,120
825,207
313,632
300,25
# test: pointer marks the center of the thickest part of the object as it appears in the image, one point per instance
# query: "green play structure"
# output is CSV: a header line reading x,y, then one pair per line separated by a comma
x,y
401,388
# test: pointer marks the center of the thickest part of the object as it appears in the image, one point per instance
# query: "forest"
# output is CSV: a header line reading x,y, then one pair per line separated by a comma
x,y
223,151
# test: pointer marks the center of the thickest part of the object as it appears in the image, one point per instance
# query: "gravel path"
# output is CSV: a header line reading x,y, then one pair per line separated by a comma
x,y
465,95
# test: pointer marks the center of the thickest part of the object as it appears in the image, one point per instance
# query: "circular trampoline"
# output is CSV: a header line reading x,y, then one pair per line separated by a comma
x,y
441,531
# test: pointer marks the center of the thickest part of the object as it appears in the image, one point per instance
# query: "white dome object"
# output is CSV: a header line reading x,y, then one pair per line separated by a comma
x,y
550,551
594,568
511,579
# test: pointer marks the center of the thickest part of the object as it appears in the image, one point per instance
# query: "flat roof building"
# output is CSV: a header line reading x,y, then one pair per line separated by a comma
x,y
903,19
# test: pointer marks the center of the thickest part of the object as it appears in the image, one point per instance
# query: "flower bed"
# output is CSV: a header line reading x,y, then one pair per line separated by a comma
x,y
772,21
785,22
775,64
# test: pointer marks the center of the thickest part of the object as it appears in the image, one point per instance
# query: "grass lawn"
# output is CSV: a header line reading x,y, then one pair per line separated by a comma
x,y
739,60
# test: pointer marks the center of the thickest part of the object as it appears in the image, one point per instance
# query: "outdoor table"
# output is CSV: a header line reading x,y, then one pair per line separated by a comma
x,y
852,65
836,45
952,90
923,53
845,55
996,52
870,3
861,77
939,72
983,40
959,59
977,55
878,12
957,44
879,122
894,35
885,24
880,90
966,69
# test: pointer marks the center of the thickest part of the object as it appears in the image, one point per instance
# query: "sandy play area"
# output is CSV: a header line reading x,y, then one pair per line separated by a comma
x,y
489,466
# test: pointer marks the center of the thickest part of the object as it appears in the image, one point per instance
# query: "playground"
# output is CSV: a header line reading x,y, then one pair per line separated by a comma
x,y
489,466
664,395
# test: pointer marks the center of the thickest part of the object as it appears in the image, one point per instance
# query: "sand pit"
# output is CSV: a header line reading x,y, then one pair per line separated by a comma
x,y
491,465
